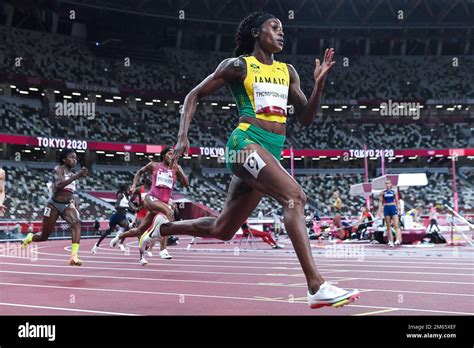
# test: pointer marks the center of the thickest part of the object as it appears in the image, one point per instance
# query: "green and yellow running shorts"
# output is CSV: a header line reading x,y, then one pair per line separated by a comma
x,y
246,134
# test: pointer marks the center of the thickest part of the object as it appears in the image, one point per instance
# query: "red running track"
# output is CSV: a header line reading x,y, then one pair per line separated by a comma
x,y
216,280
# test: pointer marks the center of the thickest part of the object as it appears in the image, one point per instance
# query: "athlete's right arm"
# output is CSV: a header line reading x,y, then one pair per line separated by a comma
x,y
231,69
148,168
58,177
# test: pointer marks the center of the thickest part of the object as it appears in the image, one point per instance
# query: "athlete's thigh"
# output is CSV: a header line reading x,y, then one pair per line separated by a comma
x,y
156,206
264,173
71,215
50,216
241,201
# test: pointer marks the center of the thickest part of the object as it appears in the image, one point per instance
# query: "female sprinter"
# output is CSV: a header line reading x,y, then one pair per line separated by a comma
x,y
61,203
164,175
262,88
389,202
119,218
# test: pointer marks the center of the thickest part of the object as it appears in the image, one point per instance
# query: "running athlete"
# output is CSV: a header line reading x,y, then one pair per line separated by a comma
x,y
119,218
137,202
164,175
337,206
389,202
262,88
61,203
266,236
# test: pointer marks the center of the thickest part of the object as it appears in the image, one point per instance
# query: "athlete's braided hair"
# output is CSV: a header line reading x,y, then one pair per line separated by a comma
x,y
243,37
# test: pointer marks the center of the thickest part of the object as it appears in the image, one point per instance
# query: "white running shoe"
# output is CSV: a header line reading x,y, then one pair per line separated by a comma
x,y
143,261
153,233
390,244
122,248
149,253
114,241
397,242
94,249
164,254
330,295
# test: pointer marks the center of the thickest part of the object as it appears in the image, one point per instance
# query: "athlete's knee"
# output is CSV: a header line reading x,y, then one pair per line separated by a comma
x,y
294,197
220,231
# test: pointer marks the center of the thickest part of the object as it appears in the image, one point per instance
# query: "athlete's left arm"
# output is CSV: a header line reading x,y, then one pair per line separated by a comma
x,y
181,175
306,109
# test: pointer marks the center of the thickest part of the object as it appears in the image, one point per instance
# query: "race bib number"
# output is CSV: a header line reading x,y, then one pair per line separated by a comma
x,y
164,179
270,98
254,164
47,212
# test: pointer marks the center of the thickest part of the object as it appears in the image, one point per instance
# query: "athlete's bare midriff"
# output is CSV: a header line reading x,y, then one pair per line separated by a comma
x,y
63,196
271,126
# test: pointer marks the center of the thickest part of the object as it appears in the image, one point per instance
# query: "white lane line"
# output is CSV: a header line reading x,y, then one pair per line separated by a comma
x,y
320,260
299,285
149,269
177,294
327,270
64,309
378,312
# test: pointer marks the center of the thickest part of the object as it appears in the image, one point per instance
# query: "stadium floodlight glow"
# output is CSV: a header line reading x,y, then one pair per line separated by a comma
x,y
67,97
120,153
24,92
37,148
100,152
226,107
156,101
42,94
109,100
362,106
439,106
323,156
450,109
76,93
413,157
334,158
117,97
337,109
81,151
176,102
315,158
373,158
27,151
195,155
375,109
139,153
34,89
148,103
12,86
109,155
85,98
138,99
344,106
98,96
186,157
214,104
56,92
439,155
297,158
324,106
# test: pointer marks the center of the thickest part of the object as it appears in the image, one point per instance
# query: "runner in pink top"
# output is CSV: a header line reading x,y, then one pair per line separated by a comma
x,y
162,182
158,201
